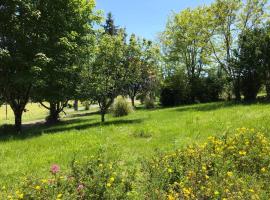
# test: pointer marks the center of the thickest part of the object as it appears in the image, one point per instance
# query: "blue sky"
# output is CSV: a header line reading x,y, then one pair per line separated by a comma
x,y
145,18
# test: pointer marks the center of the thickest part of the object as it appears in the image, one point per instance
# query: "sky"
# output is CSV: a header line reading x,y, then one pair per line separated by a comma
x,y
145,18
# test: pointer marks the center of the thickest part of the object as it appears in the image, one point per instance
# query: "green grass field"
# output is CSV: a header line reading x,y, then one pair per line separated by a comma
x,y
135,137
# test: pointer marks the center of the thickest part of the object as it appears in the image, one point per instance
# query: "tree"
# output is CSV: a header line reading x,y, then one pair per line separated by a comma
x,y
265,49
141,63
18,53
103,79
186,42
250,60
231,17
67,28
109,26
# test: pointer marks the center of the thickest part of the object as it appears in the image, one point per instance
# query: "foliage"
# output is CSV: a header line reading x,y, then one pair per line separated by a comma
x,y
99,178
109,26
250,62
141,60
186,42
121,107
66,42
149,102
206,37
175,90
18,53
231,18
231,167
234,166
103,79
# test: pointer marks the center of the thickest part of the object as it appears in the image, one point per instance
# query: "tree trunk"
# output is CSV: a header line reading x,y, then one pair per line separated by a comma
x,y
267,85
54,114
18,111
236,90
76,106
133,101
268,91
102,117
18,120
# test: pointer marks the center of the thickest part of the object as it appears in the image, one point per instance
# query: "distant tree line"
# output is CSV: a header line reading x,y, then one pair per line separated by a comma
x,y
215,50
51,54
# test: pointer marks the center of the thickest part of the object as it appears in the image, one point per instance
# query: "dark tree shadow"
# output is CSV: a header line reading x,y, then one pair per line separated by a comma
x,y
7,132
93,125
86,114
205,107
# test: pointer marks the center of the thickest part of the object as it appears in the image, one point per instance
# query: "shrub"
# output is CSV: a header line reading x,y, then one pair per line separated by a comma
x,y
98,179
146,132
121,107
175,90
235,167
86,105
149,102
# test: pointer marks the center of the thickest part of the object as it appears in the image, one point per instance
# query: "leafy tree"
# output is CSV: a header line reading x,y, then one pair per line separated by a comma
x,y
250,61
265,49
141,60
232,17
103,79
18,53
186,42
67,28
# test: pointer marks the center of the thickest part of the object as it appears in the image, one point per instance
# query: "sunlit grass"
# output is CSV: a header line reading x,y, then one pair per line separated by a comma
x,y
81,135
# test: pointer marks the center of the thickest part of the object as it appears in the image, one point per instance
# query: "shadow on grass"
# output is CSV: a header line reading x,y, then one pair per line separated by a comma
x,y
218,105
92,125
86,114
7,132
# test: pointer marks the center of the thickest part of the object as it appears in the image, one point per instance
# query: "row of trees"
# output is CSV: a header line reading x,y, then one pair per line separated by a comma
x,y
50,52
216,42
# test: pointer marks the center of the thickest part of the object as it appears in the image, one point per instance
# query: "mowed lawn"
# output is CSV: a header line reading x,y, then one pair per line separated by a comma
x,y
130,138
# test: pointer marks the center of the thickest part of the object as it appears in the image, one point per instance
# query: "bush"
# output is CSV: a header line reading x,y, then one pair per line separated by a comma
x,y
121,107
235,167
149,102
175,90
97,179
86,105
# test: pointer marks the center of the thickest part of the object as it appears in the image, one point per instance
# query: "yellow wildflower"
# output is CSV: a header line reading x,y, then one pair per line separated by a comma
x,y
251,190
187,191
242,153
109,184
20,196
171,197
204,168
216,193
44,181
230,174
59,196
112,179
37,187
170,170
263,169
